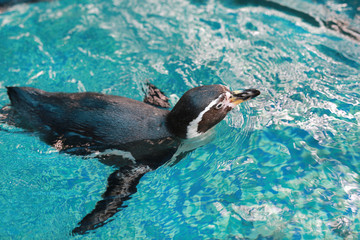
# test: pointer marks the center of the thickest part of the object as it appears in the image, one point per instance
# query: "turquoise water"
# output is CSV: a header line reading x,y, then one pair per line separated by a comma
x,y
285,165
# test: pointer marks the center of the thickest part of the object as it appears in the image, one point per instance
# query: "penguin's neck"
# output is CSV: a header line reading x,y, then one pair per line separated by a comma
x,y
176,125
184,126
184,123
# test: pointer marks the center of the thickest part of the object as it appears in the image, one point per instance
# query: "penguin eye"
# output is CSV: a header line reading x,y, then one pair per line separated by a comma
x,y
219,105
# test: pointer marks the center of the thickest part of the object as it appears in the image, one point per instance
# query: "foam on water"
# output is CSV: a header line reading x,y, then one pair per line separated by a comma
x,y
285,165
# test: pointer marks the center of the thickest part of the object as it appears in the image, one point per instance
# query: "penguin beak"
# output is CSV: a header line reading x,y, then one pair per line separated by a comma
x,y
242,96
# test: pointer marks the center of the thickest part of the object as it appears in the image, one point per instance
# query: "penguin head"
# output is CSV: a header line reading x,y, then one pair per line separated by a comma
x,y
201,108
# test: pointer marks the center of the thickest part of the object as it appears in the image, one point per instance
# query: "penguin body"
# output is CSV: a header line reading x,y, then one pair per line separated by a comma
x,y
91,123
132,135
105,119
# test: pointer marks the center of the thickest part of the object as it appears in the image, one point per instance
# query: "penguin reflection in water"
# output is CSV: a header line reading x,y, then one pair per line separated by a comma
x,y
135,136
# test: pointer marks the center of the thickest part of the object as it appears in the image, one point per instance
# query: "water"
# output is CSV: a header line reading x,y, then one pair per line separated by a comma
x,y
285,165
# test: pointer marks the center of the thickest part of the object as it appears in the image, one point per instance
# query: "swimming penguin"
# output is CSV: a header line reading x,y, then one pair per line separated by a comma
x,y
135,136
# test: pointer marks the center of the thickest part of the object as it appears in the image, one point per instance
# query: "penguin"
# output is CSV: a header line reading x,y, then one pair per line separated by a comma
x,y
136,137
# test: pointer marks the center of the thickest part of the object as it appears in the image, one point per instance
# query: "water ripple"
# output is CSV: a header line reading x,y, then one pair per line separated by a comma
x,y
283,165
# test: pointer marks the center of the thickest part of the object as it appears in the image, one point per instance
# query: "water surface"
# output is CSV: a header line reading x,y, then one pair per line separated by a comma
x,y
282,166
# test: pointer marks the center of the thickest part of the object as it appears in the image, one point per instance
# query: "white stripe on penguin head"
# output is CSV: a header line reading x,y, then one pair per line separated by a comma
x,y
192,129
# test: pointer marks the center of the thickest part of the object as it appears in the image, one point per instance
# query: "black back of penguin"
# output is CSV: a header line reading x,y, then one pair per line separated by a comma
x,y
88,118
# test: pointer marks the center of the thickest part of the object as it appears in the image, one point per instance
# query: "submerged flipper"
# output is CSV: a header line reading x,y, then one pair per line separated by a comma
x,y
121,185
155,97
4,112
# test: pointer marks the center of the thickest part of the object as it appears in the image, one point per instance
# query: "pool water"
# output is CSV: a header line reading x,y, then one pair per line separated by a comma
x,y
285,165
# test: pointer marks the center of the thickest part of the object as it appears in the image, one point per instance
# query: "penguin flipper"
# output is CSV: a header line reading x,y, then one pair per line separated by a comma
x,y
155,97
121,185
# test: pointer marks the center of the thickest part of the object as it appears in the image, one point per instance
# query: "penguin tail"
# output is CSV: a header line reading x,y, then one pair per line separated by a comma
x,y
24,107
20,96
14,94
